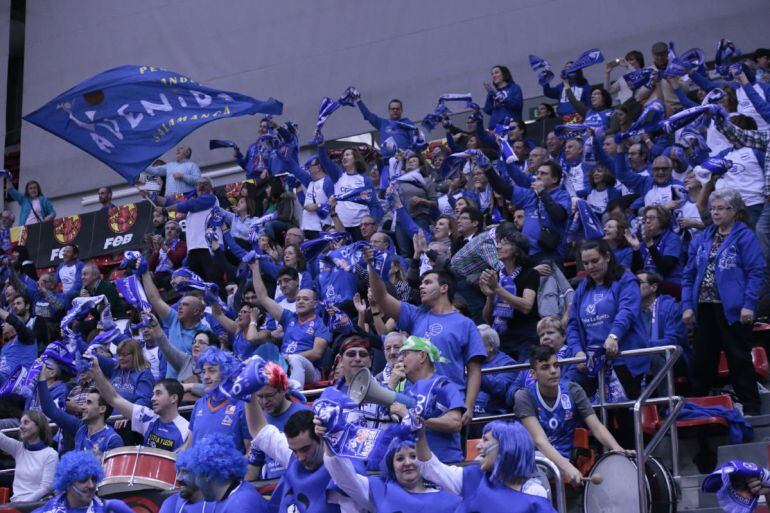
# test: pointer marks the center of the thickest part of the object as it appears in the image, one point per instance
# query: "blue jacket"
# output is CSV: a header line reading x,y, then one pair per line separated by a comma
x,y
627,323
389,128
667,328
495,386
135,386
510,107
26,205
565,107
738,270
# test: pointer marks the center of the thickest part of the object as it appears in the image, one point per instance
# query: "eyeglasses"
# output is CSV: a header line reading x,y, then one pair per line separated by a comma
x,y
352,353
719,209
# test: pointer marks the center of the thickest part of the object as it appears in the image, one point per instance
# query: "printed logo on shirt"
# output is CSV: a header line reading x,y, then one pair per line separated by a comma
x,y
434,330
227,420
160,442
729,258
566,403
291,347
230,409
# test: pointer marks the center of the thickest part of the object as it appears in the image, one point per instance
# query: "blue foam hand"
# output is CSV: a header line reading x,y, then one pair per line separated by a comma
x,y
135,262
251,378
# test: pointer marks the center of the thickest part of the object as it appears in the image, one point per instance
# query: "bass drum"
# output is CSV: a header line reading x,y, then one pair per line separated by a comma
x,y
618,492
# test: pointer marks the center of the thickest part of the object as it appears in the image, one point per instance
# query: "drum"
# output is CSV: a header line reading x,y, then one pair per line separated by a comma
x,y
128,469
619,492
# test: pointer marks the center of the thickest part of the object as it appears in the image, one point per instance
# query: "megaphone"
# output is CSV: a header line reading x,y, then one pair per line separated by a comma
x,y
364,388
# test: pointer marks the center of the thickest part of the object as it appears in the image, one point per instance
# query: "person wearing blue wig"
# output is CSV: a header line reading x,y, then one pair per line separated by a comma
x,y
216,468
503,480
400,487
216,412
77,475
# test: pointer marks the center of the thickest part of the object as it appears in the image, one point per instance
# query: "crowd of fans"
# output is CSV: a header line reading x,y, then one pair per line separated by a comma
x,y
424,263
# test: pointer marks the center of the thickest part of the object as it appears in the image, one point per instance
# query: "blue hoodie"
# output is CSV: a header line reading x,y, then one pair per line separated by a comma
x,y
618,313
510,107
738,270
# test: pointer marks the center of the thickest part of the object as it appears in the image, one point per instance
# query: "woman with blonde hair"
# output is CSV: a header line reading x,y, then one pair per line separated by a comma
x,y
131,377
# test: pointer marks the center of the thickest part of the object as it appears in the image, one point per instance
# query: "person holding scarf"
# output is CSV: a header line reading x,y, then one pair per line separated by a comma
x,y
216,412
576,82
720,291
167,253
438,401
77,475
131,377
347,177
35,459
662,248
502,481
605,319
396,128
504,98
654,189
19,348
511,292
400,487
598,114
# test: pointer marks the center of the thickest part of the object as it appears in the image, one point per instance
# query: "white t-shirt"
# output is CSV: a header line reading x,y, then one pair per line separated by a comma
x,y
67,275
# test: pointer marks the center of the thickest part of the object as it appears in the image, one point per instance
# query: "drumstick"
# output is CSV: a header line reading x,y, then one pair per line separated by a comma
x,y
594,479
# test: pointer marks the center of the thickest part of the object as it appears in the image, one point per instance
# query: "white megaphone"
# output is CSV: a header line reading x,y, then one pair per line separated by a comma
x,y
364,388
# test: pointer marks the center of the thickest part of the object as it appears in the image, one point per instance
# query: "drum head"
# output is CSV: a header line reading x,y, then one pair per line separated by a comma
x,y
618,492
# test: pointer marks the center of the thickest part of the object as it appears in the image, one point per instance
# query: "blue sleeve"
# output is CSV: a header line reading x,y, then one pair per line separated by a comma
x,y
323,332
233,246
373,119
453,146
760,155
519,177
245,435
761,105
690,272
303,176
686,102
450,398
16,195
629,304
328,187
198,204
484,137
118,506
406,316
659,145
270,268
114,441
515,100
489,103
673,246
634,181
706,84
407,225
553,91
754,265
107,365
143,388
497,384
574,338
47,206
521,196
674,331
64,420
332,169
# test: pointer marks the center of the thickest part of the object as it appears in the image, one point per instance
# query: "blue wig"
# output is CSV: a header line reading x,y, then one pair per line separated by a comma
x,y
387,462
76,466
215,458
228,365
516,451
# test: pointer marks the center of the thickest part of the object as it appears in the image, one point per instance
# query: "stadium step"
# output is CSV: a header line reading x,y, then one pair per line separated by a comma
x,y
755,452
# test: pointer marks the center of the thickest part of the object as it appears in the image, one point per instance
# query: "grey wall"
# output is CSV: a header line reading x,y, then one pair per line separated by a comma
x,y
299,51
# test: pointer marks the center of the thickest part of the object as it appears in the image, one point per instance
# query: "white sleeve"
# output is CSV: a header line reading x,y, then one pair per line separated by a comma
x,y
533,486
344,475
448,477
137,413
273,443
9,445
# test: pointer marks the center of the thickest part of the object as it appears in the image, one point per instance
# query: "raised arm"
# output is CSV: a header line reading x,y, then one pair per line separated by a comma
x,y
389,305
273,308
448,477
266,437
107,391
153,296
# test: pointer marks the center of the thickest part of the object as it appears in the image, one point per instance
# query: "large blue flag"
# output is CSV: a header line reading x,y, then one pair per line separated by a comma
x,y
130,115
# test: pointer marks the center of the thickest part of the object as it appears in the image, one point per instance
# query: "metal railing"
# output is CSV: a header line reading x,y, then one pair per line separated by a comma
x,y
675,404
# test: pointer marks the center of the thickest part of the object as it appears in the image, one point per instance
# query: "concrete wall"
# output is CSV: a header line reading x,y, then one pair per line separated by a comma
x,y
299,51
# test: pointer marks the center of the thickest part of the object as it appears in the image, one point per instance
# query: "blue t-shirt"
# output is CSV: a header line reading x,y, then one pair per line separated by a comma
x,y
299,336
14,354
483,496
179,336
98,443
169,436
134,386
270,468
435,396
391,496
242,348
559,419
245,498
176,504
219,416
455,335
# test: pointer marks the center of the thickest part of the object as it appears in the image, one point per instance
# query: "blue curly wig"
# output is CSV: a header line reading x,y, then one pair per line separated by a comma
x,y
516,452
76,466
228,365
214,457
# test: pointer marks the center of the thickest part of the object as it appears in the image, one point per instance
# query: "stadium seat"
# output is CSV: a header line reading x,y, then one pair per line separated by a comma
x,y
584,455
650,419
715,400
758,358
471,452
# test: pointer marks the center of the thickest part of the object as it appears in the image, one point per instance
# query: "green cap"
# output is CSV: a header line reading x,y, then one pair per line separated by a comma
x,y
423,344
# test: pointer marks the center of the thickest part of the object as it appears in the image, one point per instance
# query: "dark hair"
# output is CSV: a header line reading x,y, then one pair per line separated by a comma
x,y
102,402
520,244
288,271
609,178
743,121
444,278
606,96
522,126
555,168
622,242
540,354
358,159
637,56
396,100
300,422
173,387
475,215
39,189
22,251
614,269
276,188
653,278
549,108
75,249
505,71
578,78
251,205
213,338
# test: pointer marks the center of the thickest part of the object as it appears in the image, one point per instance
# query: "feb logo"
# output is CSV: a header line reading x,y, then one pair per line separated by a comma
x,y
65,229
121,219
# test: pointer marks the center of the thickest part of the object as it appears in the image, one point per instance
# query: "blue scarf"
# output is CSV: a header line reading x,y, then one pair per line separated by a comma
x,y
503,310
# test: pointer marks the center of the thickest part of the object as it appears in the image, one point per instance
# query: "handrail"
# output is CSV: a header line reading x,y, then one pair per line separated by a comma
x,y
561,496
